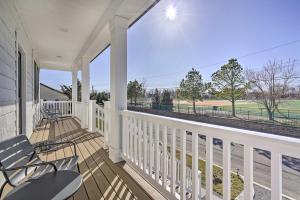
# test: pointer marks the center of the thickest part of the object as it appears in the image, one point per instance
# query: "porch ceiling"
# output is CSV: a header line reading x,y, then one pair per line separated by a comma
x,y
62,31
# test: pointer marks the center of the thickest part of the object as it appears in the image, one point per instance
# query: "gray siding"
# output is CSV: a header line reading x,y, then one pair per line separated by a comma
x,y
7,77
9,22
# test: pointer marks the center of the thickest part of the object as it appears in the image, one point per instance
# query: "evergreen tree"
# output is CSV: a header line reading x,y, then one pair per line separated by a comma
x,y
229,83
167,100
192,87
135,90
156,99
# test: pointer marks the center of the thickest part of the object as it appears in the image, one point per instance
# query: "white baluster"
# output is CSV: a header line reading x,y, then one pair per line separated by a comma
x,y
183,165
131,138
248,172
199,178
103,120
209,167
173,161
145,142
70,108
124,135
164,159
151,150
135,141
276,176
128,136
139,142
59,108
195,157
226,170
157,152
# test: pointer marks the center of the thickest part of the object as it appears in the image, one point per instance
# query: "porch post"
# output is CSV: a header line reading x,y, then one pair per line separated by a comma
x,y
118,84
85,94
74,91
92,116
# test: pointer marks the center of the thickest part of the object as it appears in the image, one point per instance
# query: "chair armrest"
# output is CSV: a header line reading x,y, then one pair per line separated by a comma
x,y
29,166
55,144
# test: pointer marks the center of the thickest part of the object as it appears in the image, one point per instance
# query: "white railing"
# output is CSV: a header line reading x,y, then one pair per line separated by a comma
x,y
62,107
36,114
97,116
102,120
100,126
150,142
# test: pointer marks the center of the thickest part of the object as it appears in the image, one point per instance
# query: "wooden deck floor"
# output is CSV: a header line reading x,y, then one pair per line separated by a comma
x,y
101,178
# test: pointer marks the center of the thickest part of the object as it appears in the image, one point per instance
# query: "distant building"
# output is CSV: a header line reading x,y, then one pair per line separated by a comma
x,y
50,94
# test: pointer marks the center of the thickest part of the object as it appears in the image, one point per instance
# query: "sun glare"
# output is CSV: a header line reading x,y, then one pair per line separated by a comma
x,y
171,12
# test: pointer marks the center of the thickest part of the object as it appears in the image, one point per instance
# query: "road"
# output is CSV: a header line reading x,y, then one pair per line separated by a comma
x,y
261,165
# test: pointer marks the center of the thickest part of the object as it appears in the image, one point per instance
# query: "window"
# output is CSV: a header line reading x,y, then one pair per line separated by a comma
x,y
36,82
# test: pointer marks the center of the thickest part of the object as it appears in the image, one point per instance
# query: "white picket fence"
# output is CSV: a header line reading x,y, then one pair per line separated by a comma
x,y
150,142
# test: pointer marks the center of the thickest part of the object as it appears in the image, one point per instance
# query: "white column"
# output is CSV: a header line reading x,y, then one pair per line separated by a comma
x,y
118,83
85,92
92,116
74,90
107,124
226,170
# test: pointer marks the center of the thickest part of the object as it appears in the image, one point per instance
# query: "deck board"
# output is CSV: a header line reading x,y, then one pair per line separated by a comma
x,y
102,179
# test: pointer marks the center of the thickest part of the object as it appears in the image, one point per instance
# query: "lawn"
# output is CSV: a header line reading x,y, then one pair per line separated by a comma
x,y
237,183
292,105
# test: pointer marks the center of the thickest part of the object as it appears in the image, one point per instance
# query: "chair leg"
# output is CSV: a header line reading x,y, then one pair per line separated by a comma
x,y
78,168
2,188
47,121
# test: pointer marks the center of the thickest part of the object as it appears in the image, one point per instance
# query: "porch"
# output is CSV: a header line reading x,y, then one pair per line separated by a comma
x,y
102,179
161,154
154,147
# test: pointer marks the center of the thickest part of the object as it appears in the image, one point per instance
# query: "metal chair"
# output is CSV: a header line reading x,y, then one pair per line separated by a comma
x,y
49,116
19,160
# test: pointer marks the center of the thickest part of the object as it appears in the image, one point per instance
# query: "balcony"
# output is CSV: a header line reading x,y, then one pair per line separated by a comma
x,y
102,179
154,147
125,154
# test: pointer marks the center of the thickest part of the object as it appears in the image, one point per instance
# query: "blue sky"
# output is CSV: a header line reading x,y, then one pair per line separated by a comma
x,y
204,35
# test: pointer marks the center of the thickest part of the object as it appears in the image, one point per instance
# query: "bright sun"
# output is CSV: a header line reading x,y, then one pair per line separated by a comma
x,y
171,12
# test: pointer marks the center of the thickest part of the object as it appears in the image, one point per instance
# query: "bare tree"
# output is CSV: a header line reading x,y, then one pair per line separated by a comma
x,y
271,84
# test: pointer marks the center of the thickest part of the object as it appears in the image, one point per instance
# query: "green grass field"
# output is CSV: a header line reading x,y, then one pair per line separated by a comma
x,y
292,105
288,113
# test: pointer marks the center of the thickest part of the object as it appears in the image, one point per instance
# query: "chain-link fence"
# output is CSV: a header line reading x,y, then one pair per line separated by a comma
x,y
284,116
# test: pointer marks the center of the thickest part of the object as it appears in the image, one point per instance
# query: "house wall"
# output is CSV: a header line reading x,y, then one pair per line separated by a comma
x,y
9,23
50,94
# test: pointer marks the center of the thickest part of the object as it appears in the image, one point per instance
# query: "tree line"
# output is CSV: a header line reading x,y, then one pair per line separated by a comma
x,y
267,86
